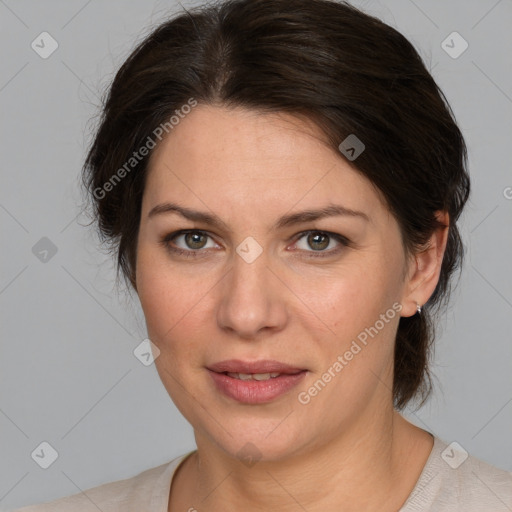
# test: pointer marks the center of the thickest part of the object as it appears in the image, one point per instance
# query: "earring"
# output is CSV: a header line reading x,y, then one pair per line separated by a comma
x,y
418,308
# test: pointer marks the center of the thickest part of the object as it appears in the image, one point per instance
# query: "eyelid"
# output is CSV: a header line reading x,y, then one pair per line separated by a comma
x,y
167,239
342,241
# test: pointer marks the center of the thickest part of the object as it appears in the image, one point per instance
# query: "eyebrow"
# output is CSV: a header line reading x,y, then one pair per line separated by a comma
x,y
284,221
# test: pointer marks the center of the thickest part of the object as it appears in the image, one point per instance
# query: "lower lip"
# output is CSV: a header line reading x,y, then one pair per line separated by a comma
x,y
256,391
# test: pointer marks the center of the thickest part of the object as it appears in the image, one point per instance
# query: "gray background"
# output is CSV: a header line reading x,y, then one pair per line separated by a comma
x,y
67,369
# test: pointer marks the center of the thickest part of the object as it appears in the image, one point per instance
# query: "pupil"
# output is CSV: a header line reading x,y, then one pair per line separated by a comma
x,y
319,235
194,237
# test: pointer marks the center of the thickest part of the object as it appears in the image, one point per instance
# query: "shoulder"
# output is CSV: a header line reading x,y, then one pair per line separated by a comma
x,y
453,480
480,484
148,488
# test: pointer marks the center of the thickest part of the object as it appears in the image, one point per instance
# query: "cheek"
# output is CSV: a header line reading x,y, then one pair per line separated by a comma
x,y
346,298
355,319
174,302
171,305
161,289
356,355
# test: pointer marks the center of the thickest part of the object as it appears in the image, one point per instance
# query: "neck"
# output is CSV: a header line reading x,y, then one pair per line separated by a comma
x,y
370,468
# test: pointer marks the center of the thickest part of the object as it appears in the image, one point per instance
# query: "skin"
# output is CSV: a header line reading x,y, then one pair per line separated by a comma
x,y
348,441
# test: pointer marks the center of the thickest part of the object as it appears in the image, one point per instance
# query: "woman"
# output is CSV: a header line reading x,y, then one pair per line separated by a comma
x,y
281,180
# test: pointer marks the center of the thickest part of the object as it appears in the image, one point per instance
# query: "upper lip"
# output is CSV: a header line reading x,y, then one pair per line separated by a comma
x,y
264,366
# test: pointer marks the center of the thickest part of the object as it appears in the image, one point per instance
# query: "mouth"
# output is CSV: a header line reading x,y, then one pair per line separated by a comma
x,y
255,382
253,376
267,366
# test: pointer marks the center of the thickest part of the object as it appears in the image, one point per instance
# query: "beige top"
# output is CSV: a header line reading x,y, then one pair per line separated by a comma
x,y
449,482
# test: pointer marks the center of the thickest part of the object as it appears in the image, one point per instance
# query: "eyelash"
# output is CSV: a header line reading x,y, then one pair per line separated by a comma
x,y
194,253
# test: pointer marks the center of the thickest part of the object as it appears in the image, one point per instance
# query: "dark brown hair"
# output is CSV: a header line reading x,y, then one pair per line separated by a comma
x,y
346,71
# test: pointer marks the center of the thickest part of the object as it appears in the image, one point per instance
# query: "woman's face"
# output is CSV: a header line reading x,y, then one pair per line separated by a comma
x,y
253,288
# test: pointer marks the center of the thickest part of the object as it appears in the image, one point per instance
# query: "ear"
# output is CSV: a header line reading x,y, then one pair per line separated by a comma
x,y
425,268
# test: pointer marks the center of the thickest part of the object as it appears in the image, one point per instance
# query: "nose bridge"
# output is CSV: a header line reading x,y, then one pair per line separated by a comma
x,y
250,299
249,280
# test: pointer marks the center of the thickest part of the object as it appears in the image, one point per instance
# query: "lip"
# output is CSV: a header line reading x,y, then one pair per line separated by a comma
x,y
253,391
264,366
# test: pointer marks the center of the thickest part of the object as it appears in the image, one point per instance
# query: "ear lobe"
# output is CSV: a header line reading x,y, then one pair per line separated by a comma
x,y
426,268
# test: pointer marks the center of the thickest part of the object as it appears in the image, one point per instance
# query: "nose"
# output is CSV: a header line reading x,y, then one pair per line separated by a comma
x,y
253,298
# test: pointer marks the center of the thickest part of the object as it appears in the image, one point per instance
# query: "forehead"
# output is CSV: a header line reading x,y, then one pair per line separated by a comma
x,y
236,158
241,138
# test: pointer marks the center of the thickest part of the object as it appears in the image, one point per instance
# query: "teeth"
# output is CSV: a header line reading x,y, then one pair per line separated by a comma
x,y
261,376
254,376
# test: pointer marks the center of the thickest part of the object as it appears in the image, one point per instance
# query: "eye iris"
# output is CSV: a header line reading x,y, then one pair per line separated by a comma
x,y
317,235
194,237
317,238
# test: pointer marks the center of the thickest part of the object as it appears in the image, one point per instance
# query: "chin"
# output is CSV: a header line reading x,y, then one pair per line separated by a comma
x,y
253,439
